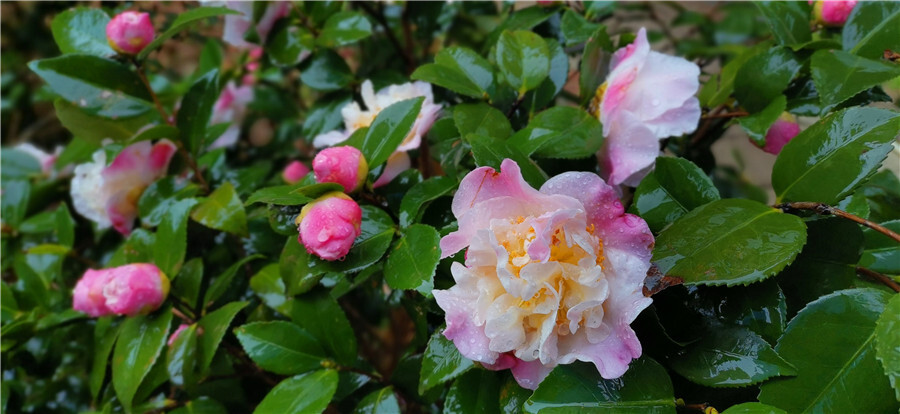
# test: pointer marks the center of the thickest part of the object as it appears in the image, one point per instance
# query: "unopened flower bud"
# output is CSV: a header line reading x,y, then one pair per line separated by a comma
x,y
780,133
174,336
832,13
343,165
131,290
130,32
329,225
294,172
88,296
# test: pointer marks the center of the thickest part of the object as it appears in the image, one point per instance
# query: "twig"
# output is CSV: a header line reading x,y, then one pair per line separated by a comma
x,y
735,114
379,16
182,316
825,210
862,271
159,107
701,132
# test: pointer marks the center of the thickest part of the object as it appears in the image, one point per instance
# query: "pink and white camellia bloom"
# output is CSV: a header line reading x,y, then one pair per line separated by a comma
x,y
344,165
780,133
294,172
108,194
231,107
130,32
329,225
832,13
647,96
236,25
131,290
355,118
551,276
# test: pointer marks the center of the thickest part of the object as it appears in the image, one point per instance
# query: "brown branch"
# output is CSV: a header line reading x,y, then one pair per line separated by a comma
x,y
701,132
862,271
159,107
826,210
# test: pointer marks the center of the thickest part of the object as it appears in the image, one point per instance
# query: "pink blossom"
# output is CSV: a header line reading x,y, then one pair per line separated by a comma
x,y
231,107
294,172
131,290
647,96
236,25
832,12
108,194
329,225
344,165
780,133
397,163
550,276
130,32
45,159
174,336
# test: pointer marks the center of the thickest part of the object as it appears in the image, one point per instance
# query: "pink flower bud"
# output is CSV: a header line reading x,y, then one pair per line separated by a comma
x,y
125,290
343,165
294,172
175,334
88,296
832,12
129,32
780,133
329,225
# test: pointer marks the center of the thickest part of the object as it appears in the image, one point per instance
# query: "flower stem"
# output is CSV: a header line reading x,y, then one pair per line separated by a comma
x,y
862,271
825,210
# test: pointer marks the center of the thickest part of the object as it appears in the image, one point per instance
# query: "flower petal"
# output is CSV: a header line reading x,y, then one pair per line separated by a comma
x,y
629,151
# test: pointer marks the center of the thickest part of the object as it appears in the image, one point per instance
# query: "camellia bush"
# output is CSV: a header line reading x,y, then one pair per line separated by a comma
x,y
467,207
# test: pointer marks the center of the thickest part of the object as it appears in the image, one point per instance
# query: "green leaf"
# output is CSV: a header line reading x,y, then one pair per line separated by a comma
x,y
291,195
377,232
460,70
196,109
524,59
882,253
391,126
719,87
325,114
832,344
94,128
320,315
344,28
181,22
288,43
202,405
840,75
182,357
720,243
828,160
186,285
756,125
764,76
594,63
267,284
560,132
412,262
325,71
214,325
299,272
223,282
522,19
555,82
140,343
104,338
760,307
872,27
280,347
442,362
512,396
882,193
82,30
14,202
674,188
161,196
96,85
308,393
171,237
421,193
18,164
645,388
474,392
730,358
576,29
222,210
491,152
789,21
138,248
887,341
481,118
379,401
753,408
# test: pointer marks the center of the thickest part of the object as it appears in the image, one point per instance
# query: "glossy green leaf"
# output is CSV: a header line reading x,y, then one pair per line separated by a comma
x,y
320,315
96,85
17,164
882,253
219,286
674,188
325,114
138,248
442,362
474,392
872,27
760,307
789,21
186,285
729,358
756,125
882,193
379,401
729,242
95,128
82,30
764,76
391,126
325,71
181,22
214,325
524,59
14,202
308,393
512,396
202,405
840,75
832,344
222,210
753,408
104,338
594,63
161,196
282,195
288,43
576,29
171,237
645,388
414,258
560,132
491,152
344,28
196,109
297,270
828,160
140,343
414,200
181,357
719,87
555,82
481,118
280,347
460,70
887,342
267,284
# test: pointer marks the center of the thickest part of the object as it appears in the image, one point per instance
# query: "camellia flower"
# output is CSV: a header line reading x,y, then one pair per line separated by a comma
x,y
780,133
231,107
236,25
344,165
329,225
550,276
130,32
832,13
131,290
356,118
294,172
647,96
108,194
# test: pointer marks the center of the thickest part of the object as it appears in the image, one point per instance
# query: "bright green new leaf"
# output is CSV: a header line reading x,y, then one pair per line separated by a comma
x,y
82,30
524,59
141,340
308,393
222,210
280,347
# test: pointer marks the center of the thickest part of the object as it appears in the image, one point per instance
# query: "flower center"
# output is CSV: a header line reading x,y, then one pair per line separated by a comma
x,y
594,107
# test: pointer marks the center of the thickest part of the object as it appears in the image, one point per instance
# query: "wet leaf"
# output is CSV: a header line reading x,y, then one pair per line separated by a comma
x,y
460,70
141,340
442,362
674,188
887,341
82,30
